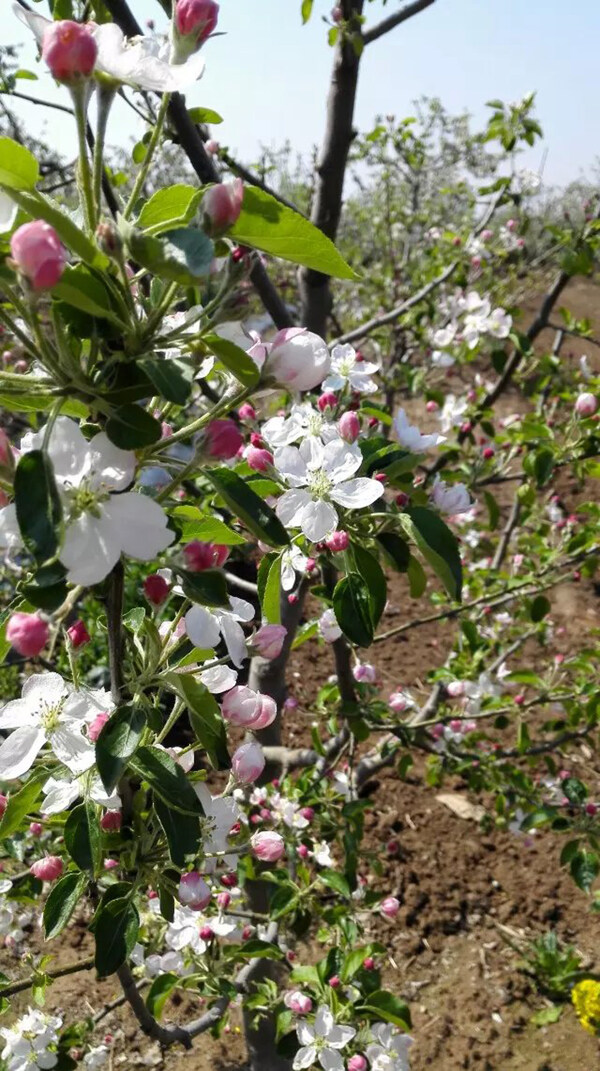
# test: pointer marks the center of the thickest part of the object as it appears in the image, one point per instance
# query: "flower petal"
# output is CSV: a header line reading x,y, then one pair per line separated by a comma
x,y
10,533
112,467
324,1021
233,634
140,525
331,1060
289,507
59,795
202,627
91,547
305,1057
290,463
339,1036
318,520
71,748
18,752
353,494
16,714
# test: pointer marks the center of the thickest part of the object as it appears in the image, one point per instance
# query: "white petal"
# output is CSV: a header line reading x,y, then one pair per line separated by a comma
x,y
112,468
18,752
339,1036
68,450
36,23
290,506
59,795
318,520
71,748
16,714
340,460
140,525
356,493
10,533
292,466
331,1060
235,641
8,212
218,678
91,547
45,687
323,1021
202,627
305,1057
312,452
241,608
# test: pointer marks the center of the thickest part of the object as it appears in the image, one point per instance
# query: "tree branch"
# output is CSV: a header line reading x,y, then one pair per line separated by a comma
x,y
392,21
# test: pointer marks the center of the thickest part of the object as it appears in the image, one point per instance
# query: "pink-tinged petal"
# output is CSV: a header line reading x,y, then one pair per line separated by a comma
x,y
318,519
18,752
353,494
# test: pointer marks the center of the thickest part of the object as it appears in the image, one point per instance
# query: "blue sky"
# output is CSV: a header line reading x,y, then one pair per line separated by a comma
x,y
268,76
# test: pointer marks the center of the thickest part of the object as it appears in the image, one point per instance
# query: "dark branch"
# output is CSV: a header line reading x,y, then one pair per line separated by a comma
x,y
392,21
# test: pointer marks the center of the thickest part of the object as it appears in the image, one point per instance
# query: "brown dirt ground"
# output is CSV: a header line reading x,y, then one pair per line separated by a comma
x,y
463,892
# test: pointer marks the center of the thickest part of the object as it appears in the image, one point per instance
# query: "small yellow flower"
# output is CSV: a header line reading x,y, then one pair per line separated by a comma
x,y
586,1000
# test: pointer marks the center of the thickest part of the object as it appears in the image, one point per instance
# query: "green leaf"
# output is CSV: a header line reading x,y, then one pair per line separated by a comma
x,y
170,207
265,224
82,837
205,717
47,589
584,867
271,598
18,167
306,9
257,949
183,255
373,576
335,881
39,206
169,379
209,529
34,401
61,903
352,607
117,742
116,929
160,991
416,578
79,288
130,427
249,507
493,509
397,550
235,359
20,804
166,779
208,587
205,115
38,506
539,608
437,544
389,1008
181,830
547,1015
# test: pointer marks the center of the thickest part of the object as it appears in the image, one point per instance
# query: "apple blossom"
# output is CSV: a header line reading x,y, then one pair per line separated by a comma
x,y
111,821
96,726
410,437
38,254
247,412
357,1063
450,498
221,206
400,701
326,401
364,673
259,459
248,762
251,710
318,477
329,628
298,359
27,633
390,907
70,51
349,426
322,1041
304,421
205,628
269,640
47,869
338,541
61,792
267,846
223,439
586,404
30,1043
348,371
196,18
298,1002
193,891
389,1051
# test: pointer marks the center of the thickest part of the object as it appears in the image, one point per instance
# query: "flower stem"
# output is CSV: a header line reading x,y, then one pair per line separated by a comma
x,y
143,172
106,95
84,174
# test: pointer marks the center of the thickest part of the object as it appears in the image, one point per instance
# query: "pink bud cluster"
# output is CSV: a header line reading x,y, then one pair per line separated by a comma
x,y
243,707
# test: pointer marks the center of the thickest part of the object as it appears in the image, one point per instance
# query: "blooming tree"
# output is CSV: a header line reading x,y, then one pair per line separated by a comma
x,y
160,453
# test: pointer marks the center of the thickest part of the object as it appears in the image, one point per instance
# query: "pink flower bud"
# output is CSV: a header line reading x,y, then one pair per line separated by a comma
x,y
228,880
268,846
269,640
390,907
369,963
357,1063
298,359
69,50
431,406
27,633
221,206
196,17
166,430
111,821
591,809
487,235
247,932
47,869
248,762
211,146
338,542
393,847
193,891
398,702
327,401
247,412
298,1002
7,460
36,250
349,426
36,829
511,225
586,405
364,673
156,589
111,864
291,703
258,458
487,453
334,982
302,851
199,556
223,901
308,813
223,439
206,933
476,263
251,710
78,634
96,726
455,689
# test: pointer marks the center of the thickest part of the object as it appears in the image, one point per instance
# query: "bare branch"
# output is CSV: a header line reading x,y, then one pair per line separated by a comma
x,y
60,972
508,530
392,21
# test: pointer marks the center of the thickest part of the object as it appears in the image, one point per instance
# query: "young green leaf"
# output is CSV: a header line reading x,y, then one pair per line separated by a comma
x,y
437,544
352,607
172,206
248,506
117,742
82,837
38,506
130,427
116,929
61,903
19,168
166,779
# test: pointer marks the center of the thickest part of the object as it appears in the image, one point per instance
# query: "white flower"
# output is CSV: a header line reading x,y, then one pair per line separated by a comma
x,y
499,324
8,212
439,359
287,811
444,336
218,678
143,62
389,1051
410,436
322,1041
321,853
30,1044
347,370
475,323
450,498
304,420
60,794
96,1057
206,627
13,919
328,626
99,525
452,413
220,814
318,476
50,711
292,561
184,931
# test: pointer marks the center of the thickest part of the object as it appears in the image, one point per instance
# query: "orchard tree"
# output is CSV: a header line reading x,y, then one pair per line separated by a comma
x,y
178,484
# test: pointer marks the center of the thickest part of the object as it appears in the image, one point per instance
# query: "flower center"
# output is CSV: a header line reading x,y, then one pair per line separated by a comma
x,y
84,499
50,716
314,424
346,366
319,484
